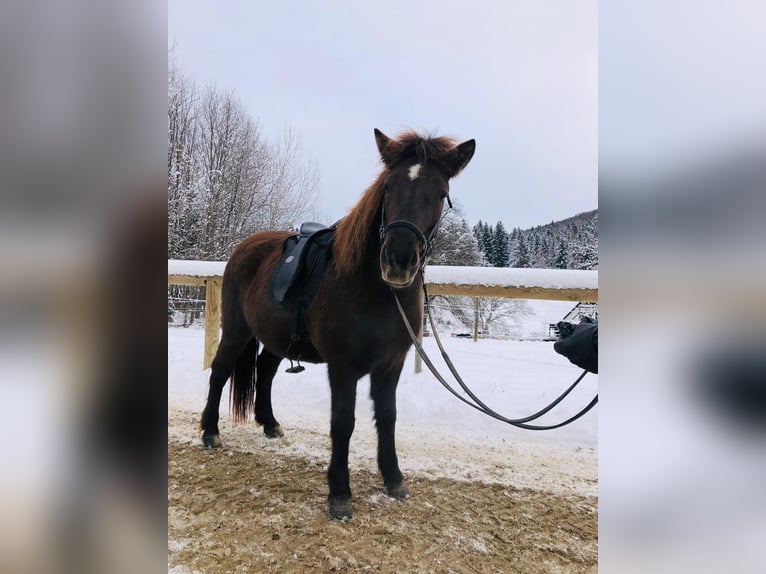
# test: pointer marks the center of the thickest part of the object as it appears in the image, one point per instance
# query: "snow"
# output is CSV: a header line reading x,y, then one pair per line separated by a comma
x,y
196,268
445,274
437,436
518,325
513,277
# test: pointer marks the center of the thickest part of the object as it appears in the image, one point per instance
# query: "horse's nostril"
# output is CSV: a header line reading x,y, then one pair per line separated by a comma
x,y
399,257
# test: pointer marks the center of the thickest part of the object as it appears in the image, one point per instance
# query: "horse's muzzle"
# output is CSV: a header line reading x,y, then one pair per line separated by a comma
x,y
398,281
399,272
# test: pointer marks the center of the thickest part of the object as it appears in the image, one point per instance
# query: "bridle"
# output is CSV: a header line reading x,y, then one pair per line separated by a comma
x,y
426,243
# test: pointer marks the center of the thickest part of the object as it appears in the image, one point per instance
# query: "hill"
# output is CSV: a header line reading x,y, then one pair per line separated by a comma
x,y
571,243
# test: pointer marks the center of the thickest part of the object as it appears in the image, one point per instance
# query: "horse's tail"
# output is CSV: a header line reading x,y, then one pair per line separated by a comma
x,y
242,390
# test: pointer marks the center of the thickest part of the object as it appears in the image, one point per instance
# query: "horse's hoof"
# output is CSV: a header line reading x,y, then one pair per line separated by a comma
x,y
340,508
273,432
212,440
398,491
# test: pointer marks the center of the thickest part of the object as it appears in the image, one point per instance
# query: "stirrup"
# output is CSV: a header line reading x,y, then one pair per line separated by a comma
x,y
295,368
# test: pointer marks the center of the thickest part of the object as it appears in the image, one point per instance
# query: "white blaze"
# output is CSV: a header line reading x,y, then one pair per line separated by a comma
x,y
414,171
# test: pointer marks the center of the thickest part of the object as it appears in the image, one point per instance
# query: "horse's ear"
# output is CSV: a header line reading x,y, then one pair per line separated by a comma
x,y
388,148
459,156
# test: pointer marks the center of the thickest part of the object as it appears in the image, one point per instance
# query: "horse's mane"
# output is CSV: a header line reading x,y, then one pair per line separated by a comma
x,y
353,234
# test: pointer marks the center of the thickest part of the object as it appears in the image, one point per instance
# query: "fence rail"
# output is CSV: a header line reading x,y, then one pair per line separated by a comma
x,y
548,284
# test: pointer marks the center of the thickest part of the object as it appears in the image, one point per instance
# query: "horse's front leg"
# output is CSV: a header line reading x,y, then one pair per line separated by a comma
x,y
383,393
343,389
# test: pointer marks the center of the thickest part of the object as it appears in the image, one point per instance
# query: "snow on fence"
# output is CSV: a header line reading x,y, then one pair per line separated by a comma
x,y
549,284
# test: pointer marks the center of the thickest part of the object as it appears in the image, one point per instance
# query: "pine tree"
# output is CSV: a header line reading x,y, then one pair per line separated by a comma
x,y
477,231
536,258
455,243
521,254
561,258
587,257
502,251
487,245
568,244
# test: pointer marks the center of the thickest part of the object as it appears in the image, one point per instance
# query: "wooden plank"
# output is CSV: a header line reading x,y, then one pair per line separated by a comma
x,y
512,291
190,280
212,320
213,300
515,292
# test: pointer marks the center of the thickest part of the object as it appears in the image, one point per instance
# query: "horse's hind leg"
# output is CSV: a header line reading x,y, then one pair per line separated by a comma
x,y
232,346
383,393
266,368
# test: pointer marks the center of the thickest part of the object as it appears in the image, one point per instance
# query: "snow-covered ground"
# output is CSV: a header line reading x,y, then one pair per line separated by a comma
x,y
436,434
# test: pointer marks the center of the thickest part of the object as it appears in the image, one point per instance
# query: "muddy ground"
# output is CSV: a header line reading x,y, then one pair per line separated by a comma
x,y
235,511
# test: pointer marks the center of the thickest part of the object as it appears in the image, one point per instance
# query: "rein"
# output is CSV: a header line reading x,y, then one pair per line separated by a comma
x,y
475,402
478,404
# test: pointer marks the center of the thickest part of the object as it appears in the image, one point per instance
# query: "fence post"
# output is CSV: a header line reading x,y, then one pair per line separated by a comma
x,y
418,360
475,319
212,320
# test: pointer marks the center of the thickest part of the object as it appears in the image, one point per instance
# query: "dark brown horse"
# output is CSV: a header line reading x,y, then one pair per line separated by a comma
x,y
352,324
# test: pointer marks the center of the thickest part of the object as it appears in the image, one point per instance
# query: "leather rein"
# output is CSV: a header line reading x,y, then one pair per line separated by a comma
x,y
475,402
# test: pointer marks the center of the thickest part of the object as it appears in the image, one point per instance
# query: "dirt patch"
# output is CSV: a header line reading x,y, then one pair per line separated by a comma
x,y
232,511
521,462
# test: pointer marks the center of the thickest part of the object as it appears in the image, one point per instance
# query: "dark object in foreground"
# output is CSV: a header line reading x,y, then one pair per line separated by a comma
x,y
579,343
732,383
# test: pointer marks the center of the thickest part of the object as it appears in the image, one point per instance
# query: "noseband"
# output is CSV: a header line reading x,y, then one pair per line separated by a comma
x,y
426,243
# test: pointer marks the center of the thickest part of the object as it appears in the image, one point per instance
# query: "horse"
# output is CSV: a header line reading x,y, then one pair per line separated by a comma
x,y
352,323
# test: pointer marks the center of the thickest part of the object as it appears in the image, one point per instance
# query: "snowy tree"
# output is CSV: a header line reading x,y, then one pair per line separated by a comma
x,y
561,258
477,230
225,180
568,244
585,254
484,234
228,171
502,252
587,257
455,243
497,316
290,190
495,312
584,251
521,254
183,217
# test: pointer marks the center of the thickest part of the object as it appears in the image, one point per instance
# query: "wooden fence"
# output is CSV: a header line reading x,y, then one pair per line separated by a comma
x,y
549,284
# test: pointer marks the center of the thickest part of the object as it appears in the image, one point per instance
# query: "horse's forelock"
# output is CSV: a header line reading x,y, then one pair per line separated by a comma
x,y
424,148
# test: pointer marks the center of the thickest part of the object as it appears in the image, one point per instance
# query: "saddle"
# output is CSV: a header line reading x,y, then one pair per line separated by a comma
x,y
304,258
298,273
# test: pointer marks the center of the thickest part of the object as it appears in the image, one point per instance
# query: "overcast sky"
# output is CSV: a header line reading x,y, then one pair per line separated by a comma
x,y
519,77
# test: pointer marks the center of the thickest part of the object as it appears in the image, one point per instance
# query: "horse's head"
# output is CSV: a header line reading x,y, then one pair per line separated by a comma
x,y
415,186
